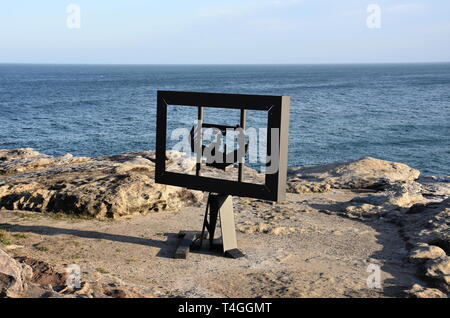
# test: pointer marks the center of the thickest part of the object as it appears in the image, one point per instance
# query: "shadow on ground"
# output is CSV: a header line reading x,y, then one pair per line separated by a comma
x,y
167,248
392,258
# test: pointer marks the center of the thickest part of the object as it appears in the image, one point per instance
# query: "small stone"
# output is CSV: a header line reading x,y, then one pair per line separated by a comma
x,y
116,293
12,247
263,228
281,231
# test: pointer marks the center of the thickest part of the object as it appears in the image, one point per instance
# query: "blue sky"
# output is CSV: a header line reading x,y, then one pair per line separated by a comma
x,y
224,32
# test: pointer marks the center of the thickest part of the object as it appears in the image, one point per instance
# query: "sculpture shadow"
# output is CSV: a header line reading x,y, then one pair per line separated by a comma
x,y
167,248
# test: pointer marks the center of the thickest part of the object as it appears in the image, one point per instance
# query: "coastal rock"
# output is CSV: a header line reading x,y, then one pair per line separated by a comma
x,y
13,276
360,210
438,267
365,173
399,194
13,161
301,187
110,186
404,194
417,291
439,270
435,187
393,197
43,273
426,228
424,252
428,223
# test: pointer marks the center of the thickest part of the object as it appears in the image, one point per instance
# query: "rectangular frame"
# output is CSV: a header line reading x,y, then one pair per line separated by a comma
x,y
277,108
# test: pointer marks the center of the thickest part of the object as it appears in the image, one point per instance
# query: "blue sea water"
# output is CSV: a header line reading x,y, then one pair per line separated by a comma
x,y
398,112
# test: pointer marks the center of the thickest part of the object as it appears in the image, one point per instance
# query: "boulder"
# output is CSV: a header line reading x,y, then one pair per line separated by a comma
x,y
428,223
110,186
438,187
398,194
365,173
439,269
417,291
424,252
44,274
360,210
13,276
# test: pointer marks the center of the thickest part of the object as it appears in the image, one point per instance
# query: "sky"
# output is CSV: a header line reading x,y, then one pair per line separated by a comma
x,y
224,32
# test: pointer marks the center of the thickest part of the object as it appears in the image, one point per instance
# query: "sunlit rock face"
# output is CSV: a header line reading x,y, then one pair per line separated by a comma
x,y
110,186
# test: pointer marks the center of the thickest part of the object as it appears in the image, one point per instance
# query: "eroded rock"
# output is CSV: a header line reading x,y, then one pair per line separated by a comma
x,y
13,161
435,186
44,274
365,173
13,276
428,223
111,186
417,291
424,252
439,269
395,195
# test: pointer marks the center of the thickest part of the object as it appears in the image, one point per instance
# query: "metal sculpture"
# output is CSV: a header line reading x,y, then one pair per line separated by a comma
x,y
219,205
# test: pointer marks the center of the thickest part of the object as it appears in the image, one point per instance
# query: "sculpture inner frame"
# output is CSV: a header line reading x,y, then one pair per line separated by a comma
x,y
277,108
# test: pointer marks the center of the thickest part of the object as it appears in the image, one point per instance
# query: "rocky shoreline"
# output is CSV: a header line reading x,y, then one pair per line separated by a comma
x,y
371,191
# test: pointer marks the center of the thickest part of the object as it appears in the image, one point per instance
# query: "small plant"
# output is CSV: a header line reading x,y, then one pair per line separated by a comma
x,y
41,248
20,235
5,238
26,216
65,216
101,270
76,243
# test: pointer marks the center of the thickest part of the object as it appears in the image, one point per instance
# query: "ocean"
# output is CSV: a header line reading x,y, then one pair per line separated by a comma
x,y
398,112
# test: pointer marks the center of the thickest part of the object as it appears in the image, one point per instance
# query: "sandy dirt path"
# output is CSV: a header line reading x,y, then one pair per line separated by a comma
x,y
324,256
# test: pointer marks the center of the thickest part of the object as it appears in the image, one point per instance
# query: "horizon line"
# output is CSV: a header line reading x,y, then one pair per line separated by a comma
x,y
220,64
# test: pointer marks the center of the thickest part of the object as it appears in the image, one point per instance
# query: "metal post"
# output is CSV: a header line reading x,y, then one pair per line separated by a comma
x,y
220,205
198,139
241,142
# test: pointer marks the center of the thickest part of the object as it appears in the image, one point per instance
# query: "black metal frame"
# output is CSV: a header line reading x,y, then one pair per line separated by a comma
x,y
277,108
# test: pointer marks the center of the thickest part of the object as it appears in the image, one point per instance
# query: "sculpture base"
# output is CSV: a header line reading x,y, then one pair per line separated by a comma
x,y
219,207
